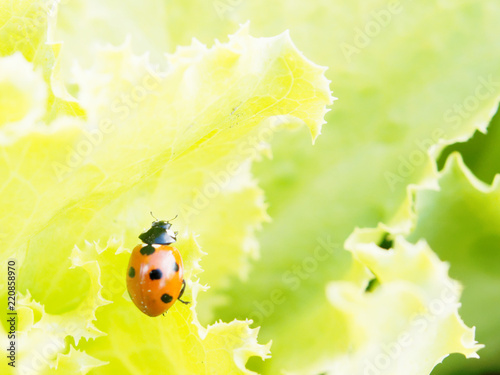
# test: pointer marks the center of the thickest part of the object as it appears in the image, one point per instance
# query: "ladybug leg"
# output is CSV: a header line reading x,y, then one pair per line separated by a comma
x,y
182,292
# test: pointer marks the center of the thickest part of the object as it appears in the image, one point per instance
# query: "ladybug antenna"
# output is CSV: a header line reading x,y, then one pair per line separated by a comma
x,y
168,221
151,212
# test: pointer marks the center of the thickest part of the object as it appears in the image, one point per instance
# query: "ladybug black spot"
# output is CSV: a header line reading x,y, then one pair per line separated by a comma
x,y
131,272
147,250
155,274
166,298
176,267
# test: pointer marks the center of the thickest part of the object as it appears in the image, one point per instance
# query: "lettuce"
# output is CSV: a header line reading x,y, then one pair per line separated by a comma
x,y
89,148
85,159
461,223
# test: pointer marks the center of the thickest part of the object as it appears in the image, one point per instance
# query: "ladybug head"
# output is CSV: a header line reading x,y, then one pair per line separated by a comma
x,y
159,233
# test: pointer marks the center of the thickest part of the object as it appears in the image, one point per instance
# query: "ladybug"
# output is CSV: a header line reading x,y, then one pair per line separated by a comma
x,y
155,271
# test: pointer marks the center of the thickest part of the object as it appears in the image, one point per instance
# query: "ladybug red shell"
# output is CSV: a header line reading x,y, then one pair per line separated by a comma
x,y
155,273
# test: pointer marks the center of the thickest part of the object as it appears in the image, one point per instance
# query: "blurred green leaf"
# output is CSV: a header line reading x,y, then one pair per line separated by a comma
x,y
461,222
481,153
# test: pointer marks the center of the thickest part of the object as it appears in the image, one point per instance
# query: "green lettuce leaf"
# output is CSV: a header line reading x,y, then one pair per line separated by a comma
x,y
480,153
412,78
461,221
144,138
396,110
419,325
